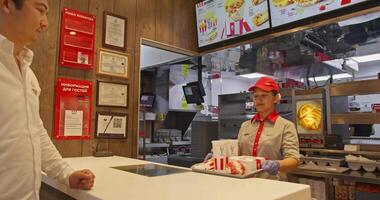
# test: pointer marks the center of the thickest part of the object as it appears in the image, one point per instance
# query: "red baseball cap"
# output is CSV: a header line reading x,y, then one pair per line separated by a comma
x,y
265,83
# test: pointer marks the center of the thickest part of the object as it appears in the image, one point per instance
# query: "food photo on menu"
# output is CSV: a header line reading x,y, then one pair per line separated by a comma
x,y
286,11
234,9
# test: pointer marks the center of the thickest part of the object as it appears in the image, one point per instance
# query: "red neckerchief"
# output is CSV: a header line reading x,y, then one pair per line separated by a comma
x,y
271,118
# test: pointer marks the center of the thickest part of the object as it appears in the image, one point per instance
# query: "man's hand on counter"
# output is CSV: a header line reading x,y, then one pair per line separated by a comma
x,y
82,179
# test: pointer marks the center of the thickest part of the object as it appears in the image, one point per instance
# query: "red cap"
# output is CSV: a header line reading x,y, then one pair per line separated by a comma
x,y
265,83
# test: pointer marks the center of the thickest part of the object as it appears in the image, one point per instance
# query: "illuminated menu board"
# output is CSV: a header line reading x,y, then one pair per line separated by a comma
x,y
220,20
287,11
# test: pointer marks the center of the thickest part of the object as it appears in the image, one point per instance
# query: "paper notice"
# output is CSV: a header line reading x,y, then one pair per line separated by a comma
x,y
73,123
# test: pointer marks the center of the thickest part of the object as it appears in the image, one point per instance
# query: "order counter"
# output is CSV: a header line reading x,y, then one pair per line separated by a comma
x,y
111,183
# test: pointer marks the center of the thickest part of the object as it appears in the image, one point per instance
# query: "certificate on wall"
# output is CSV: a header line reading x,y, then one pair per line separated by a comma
x,y
112,94
114,31
111,125
112,63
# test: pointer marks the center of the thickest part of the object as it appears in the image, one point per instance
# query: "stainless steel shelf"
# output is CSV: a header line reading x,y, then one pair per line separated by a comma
x,y
155,145
179,143
332,151
358,176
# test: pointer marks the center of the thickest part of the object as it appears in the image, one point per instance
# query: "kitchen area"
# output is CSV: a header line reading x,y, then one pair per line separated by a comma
x,y
332,68
178,133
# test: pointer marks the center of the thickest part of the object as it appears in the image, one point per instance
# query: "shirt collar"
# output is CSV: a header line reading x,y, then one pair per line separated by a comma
x,y
271,117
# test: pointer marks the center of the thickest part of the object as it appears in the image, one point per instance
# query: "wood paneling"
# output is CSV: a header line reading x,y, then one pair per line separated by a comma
x,y
164,21
127,8
146,21
167,21
44,66
184,30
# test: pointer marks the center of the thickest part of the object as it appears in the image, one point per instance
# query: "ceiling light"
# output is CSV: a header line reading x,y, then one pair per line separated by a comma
x,y
339,64
253,75
335,76
368,58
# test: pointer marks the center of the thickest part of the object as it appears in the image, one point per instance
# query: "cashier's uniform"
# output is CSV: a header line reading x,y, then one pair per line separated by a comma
x,y
274,138
25,146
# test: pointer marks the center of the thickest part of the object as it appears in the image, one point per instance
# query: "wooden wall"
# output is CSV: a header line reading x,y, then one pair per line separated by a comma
x,y
168,21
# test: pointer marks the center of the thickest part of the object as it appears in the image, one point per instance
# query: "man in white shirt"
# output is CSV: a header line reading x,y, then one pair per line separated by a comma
x,y
25,147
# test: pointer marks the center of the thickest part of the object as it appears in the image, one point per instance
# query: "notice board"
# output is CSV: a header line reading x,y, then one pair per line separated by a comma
x,y
77,46
73,109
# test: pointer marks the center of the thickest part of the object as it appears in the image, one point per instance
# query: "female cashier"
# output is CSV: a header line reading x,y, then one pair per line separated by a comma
x,y
269,135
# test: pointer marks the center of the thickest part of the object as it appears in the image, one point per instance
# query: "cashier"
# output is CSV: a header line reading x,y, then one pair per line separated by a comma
x,y
269,135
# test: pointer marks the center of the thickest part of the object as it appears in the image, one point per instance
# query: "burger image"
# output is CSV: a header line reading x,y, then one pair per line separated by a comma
x,y
282,3
305,3
261,18
234,9
257,2
212,35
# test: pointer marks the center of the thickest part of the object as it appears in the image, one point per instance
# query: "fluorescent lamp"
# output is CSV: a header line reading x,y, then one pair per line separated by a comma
x,y
335,76
253,75
338,63
368,58
352,64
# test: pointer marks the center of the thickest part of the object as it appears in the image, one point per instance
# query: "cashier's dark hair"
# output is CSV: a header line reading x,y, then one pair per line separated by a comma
x,y
19,3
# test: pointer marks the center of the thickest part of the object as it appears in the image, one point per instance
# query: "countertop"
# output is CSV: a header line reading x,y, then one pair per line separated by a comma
x,y
116,184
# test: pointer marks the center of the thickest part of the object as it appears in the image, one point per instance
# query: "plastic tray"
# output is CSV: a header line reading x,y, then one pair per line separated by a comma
x,y
250,175
322,161
324,168
356,165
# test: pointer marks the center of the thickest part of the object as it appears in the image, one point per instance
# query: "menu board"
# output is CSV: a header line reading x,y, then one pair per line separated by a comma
x,y
286,11
219,20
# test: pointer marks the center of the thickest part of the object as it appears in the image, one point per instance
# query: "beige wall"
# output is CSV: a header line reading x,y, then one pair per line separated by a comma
x,y
167,21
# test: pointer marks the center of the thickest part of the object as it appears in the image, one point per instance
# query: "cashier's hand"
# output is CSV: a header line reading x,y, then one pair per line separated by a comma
x,y
82,179
271,167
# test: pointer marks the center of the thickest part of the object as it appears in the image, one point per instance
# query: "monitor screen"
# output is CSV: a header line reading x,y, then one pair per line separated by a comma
x,y
147,100
220,20
194,93
287,11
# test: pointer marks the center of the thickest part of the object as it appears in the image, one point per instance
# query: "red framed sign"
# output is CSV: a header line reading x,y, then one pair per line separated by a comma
x,y
73,109
77,46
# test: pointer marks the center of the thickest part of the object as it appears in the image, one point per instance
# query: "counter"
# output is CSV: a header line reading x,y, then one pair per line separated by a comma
x,y
115,184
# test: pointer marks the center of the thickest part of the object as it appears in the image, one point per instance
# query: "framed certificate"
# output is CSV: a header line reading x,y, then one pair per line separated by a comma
x,y
114,31
111,125
111,63
112,94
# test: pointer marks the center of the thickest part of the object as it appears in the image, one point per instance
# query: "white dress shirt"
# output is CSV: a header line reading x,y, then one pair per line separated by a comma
x,y
25,146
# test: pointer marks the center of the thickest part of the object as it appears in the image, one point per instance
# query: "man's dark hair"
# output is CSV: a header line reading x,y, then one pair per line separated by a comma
x,y
19,3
